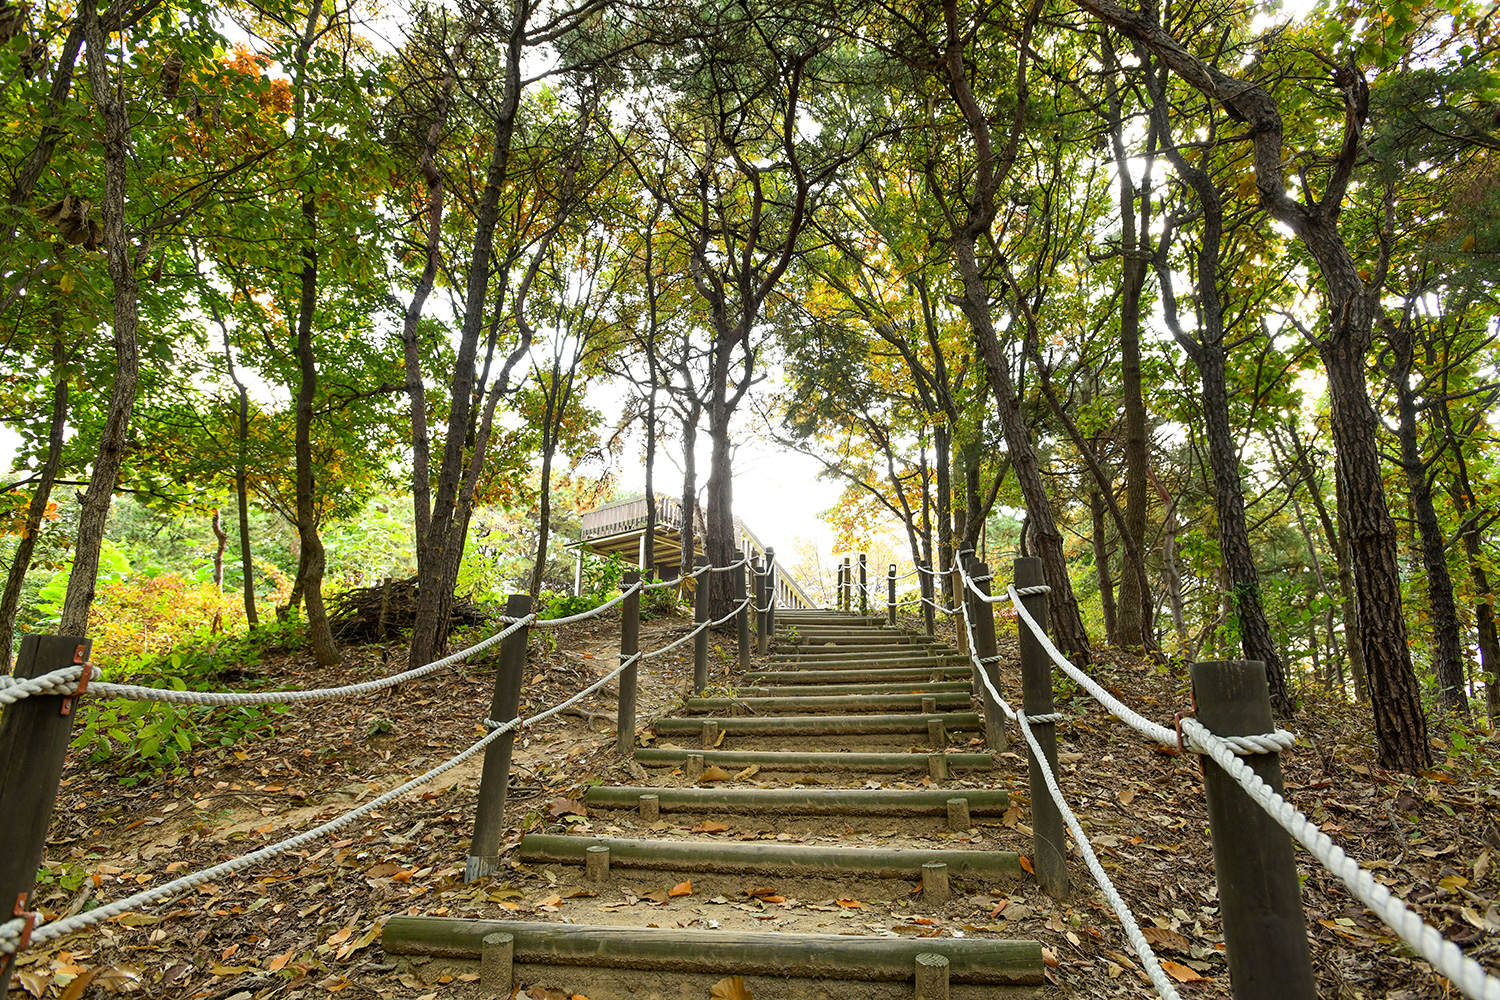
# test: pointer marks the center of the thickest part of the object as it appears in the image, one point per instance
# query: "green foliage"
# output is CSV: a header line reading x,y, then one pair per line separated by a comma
x,y
601,582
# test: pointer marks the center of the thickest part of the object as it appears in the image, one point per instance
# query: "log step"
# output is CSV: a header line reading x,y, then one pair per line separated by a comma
x,y
913,687
803,801
789,760
719,953
832,703
782,860
800,725
852,675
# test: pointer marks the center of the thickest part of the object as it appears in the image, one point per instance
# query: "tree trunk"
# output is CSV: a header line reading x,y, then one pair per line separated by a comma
x,y
1067,624
242,501
1447,653
110,455
719,540
222,540
441,546
310,545
1101,568
36,510
689,491
941,441
551,418
1400,727
1462,492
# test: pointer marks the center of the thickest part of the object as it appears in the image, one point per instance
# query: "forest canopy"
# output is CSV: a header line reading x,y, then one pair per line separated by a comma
x,y
1196,302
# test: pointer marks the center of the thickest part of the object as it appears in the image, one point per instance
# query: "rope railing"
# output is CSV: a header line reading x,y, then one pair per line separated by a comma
x,y
705,625
66,680
12,930
1447,958
741,561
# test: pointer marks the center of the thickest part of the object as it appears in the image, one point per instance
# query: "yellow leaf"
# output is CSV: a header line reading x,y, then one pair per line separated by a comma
x,y
1026,864
681,889
67,281
730,988
715,773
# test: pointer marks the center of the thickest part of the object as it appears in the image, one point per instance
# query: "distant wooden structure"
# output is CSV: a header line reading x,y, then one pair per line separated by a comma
x,y
619,529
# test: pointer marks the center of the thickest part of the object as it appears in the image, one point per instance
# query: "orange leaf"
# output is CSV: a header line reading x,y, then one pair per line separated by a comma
x,y
1181,973
278,963
681,889
1026,864
850,904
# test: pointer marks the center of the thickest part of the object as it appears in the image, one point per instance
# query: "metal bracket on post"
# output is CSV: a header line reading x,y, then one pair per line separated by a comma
x,y
79,654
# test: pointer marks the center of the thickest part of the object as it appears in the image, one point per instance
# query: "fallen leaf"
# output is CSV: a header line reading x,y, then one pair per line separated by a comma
x,y
711,826
1181,973
277,963
849,904
730,988
1049,957
566,807
79,984
748,773
681,889
1161,937
715,773
119,979
1026,864
339,937
1126,796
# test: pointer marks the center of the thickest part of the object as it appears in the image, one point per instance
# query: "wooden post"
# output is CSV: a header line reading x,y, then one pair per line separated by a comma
x,y
846,594
864,587
890,595
596,863
1265,935
630,644
928,599
742,619
935,882
700,641
34,735
958,815
985,648
385,608
496,969
1049,842
961,634
762,640
770,595
931,980
494,781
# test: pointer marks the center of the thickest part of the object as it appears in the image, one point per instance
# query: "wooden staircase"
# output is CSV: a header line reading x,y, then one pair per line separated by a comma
x,y
813,831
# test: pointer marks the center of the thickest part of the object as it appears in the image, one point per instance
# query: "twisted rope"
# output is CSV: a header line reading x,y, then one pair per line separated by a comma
x,y
61,681
1111,894
706,625
1446,957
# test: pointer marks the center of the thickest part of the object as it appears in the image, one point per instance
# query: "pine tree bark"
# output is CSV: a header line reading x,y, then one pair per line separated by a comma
x,y
1400,727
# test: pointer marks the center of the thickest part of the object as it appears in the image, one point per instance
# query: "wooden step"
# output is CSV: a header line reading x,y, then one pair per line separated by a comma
x,y
825,725
719,953
912,687
769,858
803,801
883,702
789,760
852,675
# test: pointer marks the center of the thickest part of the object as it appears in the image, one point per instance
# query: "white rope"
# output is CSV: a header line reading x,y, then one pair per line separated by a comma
x,y
10,933
695,574
61,681
678,642
1465,973
1136,721
1111,894
570,619
533,720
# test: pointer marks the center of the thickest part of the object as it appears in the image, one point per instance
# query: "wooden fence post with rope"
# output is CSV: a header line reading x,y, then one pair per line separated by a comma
x,y
630,645
986,650
1260,899
742,618
700,641
1049,839
34,737
494,781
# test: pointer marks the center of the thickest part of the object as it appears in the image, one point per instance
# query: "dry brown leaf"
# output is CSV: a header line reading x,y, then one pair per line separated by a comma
x,y
681,889
748,773
119,979
730,988
567,807
850,904
1026,864
278,962
715,773
79,984
711,826
1180,972
1163,938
